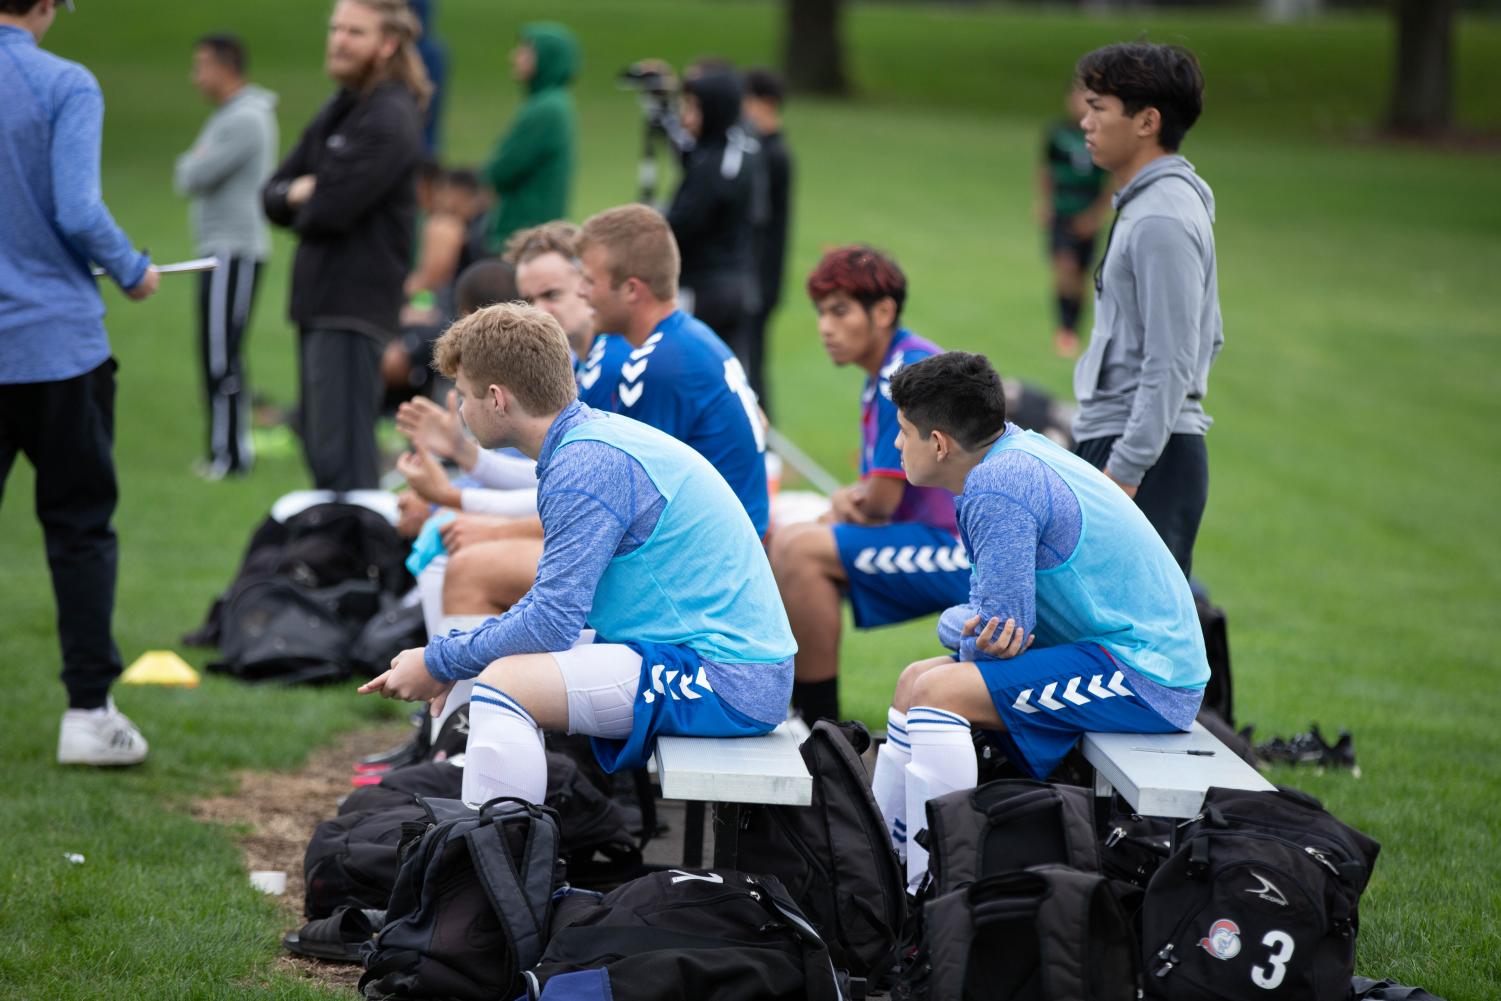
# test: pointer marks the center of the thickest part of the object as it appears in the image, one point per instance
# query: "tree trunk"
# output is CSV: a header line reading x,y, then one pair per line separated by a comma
x,y
813,47
1423,88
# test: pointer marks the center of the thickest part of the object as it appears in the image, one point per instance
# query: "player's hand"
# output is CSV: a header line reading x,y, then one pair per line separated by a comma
x,y
301,189
470,529
1129,488
1011,642
411,511
418,316
407,679
146,287
844,506
427,425
424,475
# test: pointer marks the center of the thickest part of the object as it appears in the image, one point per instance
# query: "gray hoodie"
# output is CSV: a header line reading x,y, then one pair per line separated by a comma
x,y
1157,325
223,173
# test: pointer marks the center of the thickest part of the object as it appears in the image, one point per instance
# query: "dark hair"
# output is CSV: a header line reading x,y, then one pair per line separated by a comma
x,y
1143,75
228,50
18,7
765,84
463,178
861,272
485,283
957,393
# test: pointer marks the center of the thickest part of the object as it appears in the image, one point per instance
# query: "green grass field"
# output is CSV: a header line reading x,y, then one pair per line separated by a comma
x,y
1351,533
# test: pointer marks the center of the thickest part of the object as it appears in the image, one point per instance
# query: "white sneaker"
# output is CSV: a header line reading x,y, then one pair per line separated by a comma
x,y
99,737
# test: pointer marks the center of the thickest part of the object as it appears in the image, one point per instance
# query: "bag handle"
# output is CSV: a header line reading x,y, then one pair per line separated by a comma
x,y
995,911
1022,806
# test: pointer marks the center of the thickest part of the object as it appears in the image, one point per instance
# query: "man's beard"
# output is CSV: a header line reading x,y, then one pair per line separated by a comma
x,y
360,76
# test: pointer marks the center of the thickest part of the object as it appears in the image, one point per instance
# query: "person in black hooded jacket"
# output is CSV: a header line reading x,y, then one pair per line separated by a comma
x,y
714,211
347,189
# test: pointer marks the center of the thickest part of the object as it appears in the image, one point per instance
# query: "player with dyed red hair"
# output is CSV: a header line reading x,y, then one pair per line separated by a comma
x,y
892,548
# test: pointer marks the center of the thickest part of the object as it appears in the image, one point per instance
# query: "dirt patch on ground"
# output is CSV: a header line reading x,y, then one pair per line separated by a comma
x,y
280,810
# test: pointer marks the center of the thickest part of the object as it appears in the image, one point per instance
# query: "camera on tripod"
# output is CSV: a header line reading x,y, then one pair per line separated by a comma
x,y
650,78
655,85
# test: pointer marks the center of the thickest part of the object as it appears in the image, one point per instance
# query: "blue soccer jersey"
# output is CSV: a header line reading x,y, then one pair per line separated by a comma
x,y
879,455
598,371
684,381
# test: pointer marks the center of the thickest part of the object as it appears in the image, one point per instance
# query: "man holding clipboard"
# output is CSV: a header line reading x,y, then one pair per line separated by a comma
x,y
57,375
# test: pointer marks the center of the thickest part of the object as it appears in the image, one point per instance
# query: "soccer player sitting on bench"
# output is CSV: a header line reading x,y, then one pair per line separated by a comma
x,y
888,546
1059,554
643,541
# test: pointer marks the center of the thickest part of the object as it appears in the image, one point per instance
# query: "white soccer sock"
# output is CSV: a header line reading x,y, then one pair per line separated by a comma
x,y
504,755
458,695
430,587
889,783
943,760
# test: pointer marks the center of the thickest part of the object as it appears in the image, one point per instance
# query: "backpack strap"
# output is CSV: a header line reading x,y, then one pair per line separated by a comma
x,y
520,895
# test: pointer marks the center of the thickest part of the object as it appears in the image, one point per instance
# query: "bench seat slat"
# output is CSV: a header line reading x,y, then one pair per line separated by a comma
x,y
1171,784
766,769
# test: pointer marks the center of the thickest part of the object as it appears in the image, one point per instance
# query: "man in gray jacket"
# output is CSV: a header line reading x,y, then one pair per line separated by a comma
x,y
223,173
1157,324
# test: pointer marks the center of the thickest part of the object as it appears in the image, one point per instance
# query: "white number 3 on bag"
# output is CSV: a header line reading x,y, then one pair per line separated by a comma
x,y
1270,977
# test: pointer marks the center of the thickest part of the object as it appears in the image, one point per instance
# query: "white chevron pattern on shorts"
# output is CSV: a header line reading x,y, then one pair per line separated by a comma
x,y
1071,694
910,559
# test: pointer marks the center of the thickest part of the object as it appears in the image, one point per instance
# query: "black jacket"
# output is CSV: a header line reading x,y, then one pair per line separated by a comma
x,y
356,230
722,191
771,234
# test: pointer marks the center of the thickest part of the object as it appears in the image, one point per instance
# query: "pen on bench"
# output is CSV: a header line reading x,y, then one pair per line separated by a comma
x,y
1196,752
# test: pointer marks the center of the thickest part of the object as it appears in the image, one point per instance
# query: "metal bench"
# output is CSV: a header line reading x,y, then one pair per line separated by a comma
x,y
1166,774
729,771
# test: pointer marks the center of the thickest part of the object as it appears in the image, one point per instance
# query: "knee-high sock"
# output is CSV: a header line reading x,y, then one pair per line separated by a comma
x,y
504,756
430,587
943,760
459,694
889,783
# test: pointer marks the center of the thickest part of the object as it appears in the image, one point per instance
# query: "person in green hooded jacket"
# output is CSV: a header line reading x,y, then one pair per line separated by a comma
x,y
532,166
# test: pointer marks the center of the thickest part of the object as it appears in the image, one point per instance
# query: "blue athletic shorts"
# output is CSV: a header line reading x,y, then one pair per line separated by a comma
x,y
1048,697
899,572
672,697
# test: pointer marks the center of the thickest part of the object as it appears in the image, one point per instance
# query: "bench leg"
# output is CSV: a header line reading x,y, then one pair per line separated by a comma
x,y
693,834
1103,791
726,835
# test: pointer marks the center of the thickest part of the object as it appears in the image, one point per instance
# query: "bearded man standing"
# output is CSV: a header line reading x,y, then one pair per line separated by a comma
x,y
347,190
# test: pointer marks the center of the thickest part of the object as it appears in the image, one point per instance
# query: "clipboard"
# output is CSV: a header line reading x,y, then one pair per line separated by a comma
x,y
176,267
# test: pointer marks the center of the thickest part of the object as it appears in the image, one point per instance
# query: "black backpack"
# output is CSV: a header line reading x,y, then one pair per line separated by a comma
x,y
1259,902
834,856
1004,825
275,629
352,859
469,911
1045,933
328,544
594,840
689,935
1219,691
394,628
323,546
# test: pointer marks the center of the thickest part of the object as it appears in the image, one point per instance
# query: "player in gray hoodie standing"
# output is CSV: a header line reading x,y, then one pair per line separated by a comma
x,y
1157,325
223,173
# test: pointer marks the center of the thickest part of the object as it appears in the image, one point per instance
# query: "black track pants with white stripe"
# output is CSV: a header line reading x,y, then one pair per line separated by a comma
x,y
225,296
